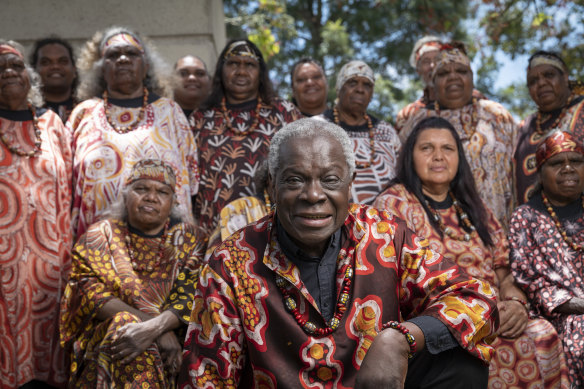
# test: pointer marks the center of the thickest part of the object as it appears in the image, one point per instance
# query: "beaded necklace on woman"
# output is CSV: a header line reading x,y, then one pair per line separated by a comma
x,y
37,135
462,217
367,118
136,262
228,119
556,220
556,122
125,129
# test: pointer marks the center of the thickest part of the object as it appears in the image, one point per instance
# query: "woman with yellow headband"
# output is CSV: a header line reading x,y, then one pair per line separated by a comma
x,y
559,106
547,244
234,128
35,238
486,129
125,118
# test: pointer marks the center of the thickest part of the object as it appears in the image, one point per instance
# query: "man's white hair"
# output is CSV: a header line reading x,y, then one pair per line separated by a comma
x,y
309,128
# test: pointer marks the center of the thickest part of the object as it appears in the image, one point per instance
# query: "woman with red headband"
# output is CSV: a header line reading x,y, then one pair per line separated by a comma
x,y
547,244
35,239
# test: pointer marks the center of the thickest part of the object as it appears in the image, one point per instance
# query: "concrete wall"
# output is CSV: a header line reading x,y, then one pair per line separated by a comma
x,y
177,27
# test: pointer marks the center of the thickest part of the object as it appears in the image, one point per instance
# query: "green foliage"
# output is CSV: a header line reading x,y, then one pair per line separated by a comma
x,y
383,32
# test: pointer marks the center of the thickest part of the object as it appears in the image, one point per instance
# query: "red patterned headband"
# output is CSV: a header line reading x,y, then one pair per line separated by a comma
x,y
557,142
152,169
7,49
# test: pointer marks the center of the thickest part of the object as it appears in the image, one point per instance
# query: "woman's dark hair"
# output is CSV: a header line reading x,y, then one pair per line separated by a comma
x,y
266,89
462,186
38,45
302,61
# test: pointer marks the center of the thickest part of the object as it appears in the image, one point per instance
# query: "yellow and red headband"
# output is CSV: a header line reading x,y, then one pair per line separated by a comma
x,y
449,54
240,48
557,142
152,169
122,39
7,49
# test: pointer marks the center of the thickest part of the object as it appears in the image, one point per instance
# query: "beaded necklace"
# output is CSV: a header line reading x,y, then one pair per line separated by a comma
x,y
308,326
37,138
462,217
556,220
474,117
138,265
363,165
125,129
556,122
229,125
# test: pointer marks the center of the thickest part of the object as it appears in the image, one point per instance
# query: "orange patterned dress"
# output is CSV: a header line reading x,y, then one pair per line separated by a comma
x,y
35,241
103,270
535,359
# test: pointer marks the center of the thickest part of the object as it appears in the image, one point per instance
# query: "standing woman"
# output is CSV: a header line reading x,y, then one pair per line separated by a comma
x,y
558,107
309,87
35,238
124,119
234,128
375,142
487,130
547,244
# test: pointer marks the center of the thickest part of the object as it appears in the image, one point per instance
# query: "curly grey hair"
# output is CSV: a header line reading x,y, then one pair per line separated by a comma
x,y
305,128
119,211
90,66
35,97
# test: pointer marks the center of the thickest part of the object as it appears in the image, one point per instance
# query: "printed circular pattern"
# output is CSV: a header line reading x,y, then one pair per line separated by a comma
x,y
104,162
13,206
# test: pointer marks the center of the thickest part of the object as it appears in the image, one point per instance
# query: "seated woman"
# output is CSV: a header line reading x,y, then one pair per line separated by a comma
x,y
547,244
131,288
435,193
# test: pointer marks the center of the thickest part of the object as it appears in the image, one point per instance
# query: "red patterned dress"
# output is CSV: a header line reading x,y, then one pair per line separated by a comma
x,y
535,359
103,270
572,120
35,241
488,133
103,156
551,272
242,335
229,157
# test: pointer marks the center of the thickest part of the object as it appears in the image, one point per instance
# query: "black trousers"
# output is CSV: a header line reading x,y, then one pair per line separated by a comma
x,y
450,369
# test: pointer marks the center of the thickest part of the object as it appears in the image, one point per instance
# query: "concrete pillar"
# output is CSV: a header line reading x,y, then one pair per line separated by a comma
x,y
176,27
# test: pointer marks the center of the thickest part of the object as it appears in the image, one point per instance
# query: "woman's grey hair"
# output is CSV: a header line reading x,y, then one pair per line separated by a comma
x,y
90,66
119,211
309,128
35,97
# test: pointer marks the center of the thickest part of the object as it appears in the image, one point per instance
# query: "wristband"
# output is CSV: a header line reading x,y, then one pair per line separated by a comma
x,y
409,337
522,302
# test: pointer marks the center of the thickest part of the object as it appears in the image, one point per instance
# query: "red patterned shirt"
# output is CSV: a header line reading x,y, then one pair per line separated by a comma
x,y
241,334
